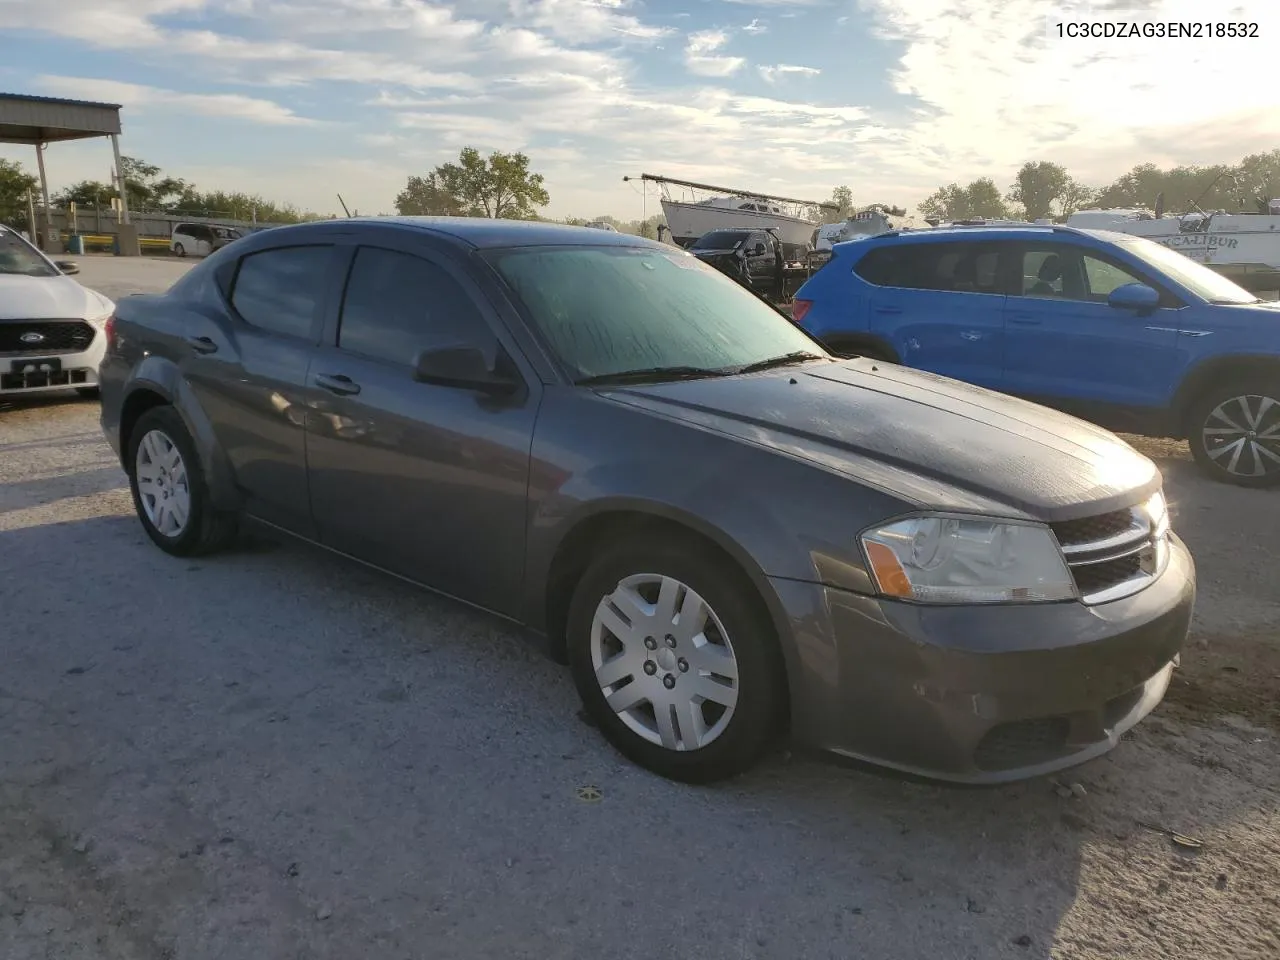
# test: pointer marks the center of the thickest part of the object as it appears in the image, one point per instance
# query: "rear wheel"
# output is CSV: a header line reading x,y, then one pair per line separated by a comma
x,y
674,658
1233,430
169,491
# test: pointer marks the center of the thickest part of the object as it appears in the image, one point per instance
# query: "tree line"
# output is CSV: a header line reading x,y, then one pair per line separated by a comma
x,y
1043,190
502,185
148,190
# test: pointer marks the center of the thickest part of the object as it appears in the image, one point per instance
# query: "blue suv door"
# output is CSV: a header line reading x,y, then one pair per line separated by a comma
x,y
1064,342
940,304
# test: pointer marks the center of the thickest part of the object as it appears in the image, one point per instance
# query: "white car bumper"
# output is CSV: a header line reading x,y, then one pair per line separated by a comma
x,y
38,356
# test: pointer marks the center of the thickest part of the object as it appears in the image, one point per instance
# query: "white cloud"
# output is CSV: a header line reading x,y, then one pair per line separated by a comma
x,y
229,105
773,73
701,56
983,89
756,26
998,90
586,20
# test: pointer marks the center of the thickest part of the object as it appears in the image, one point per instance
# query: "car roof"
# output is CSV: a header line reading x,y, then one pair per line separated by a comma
x,y
483,233
1003,231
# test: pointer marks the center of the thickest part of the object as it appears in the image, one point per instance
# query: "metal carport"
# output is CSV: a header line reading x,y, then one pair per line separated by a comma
x,y
39,121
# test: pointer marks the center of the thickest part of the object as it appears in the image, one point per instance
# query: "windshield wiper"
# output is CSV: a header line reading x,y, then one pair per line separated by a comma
x,y
797,356
652,375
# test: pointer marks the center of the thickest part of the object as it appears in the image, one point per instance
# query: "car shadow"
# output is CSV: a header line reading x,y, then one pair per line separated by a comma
x,y
318,711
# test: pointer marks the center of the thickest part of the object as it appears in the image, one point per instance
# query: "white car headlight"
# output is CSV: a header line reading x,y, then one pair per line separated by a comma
x,y
944,559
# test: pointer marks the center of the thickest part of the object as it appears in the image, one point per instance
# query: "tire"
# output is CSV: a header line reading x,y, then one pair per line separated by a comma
x,y
194,527
179,250
1233,455
723,738
89,393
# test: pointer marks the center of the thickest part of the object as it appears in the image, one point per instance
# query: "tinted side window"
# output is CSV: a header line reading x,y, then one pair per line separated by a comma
x,y
397,305
279,290
954,267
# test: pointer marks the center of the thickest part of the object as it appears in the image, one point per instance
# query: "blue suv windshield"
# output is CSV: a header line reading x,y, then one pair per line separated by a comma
x,y
1196,277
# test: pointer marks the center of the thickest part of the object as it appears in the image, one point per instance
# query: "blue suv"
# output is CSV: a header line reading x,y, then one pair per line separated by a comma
x,y
1116,329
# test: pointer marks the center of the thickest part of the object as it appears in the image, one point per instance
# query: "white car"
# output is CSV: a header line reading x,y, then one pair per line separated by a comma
x,y
52,330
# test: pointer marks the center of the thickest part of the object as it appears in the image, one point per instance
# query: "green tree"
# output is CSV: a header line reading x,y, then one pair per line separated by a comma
x,y
1037,186
842,200
1075,196
14,184
1257,177
86,193
981,198
500,186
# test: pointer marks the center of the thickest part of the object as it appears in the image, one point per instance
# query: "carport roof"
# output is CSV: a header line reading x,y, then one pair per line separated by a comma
x,y
26,119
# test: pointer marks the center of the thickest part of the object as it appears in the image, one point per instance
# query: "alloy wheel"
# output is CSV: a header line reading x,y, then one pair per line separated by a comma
x,y
1242,435
163,487
664,662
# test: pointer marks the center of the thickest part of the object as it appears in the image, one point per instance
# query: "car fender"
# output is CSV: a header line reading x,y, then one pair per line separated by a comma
x,y
163,377
702,519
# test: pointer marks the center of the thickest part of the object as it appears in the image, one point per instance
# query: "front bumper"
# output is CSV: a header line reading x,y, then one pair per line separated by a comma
x,y
981,694
32,372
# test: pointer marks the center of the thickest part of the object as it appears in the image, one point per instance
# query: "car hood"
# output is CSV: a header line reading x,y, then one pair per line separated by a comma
x,y
935,442
49,298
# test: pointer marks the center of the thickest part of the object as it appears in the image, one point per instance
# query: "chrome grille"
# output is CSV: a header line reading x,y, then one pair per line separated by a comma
x,y
44,337
1112,555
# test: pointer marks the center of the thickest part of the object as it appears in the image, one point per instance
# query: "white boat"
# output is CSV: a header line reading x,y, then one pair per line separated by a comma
x,y
735,210
865,223
1242,246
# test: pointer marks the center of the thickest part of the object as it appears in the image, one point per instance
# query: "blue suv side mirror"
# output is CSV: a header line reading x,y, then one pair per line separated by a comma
x,y
1134,296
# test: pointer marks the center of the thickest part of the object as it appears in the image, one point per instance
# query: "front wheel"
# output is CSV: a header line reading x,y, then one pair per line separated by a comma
x,y
1234,432
674,658
179,250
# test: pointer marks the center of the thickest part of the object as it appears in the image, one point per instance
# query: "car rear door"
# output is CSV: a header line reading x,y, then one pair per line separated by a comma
x,y
250,376
941,306
1066,346
428,481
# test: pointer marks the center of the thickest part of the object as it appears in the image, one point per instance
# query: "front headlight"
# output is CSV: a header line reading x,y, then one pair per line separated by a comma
x,y
942,559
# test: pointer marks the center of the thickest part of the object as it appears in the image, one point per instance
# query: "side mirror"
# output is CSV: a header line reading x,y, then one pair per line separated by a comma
x,y
1134,296
759,250
67,266
464,367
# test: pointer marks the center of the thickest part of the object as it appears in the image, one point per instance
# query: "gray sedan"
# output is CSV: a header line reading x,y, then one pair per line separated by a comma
x,y
728,534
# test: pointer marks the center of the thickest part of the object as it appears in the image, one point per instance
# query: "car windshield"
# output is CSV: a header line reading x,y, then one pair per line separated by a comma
x,y
1196,277
20,258
611,310
719,240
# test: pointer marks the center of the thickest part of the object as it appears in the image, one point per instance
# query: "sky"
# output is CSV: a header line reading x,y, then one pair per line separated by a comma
x,y
299,100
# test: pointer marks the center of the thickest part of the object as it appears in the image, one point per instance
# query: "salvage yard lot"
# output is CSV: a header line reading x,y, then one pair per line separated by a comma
x,y
275,753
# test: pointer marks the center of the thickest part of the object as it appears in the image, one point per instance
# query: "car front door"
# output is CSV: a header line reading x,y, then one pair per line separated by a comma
x,y
1065,345
427,481
940,305
253,384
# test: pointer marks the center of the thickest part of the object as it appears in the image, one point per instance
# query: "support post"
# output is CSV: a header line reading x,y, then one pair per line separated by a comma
x,y
51,242
120,183
127,244
31,215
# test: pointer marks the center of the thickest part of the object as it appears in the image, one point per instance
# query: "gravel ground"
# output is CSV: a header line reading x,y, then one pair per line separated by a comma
x,y
276,754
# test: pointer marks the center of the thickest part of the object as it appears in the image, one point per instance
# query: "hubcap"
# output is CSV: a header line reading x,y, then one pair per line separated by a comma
x,y
664,662
1242,435
161,476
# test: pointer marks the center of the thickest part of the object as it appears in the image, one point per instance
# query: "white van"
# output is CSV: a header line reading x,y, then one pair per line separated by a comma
x,y
200,239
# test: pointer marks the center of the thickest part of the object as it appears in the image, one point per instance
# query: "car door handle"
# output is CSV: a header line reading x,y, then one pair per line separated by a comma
x,y
1025,320
202,345
888,309
337,383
